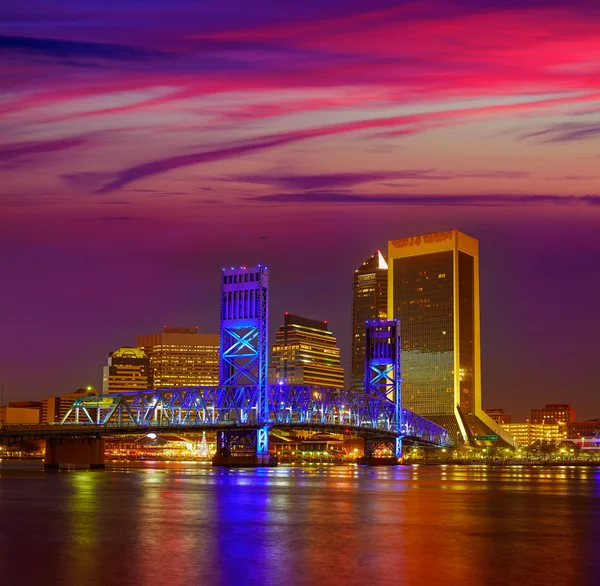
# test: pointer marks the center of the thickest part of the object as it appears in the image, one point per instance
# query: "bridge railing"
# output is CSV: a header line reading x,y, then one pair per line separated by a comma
x,y
236,405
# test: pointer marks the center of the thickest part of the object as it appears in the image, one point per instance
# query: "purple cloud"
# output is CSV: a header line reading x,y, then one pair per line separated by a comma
x,y
483,200
566,132
162,165
22,149
342,180
67,49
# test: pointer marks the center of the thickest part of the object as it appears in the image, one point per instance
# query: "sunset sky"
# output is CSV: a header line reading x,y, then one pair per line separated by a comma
x,y
146,144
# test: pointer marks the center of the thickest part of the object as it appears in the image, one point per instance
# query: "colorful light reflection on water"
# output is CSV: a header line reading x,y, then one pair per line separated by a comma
x,y
189,524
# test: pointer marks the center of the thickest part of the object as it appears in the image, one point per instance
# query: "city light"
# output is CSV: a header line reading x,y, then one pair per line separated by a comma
x,y
423,177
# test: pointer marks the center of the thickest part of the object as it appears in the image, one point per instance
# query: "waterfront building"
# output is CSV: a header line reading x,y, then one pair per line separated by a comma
x,y
51,410
55,408
433,289
29,405
369,303
305,352
559,413
499,416
128,369
579,429
19,415
181,357
526,434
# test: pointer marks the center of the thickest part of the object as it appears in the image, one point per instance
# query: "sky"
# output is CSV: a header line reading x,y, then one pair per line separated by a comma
x,y
146,144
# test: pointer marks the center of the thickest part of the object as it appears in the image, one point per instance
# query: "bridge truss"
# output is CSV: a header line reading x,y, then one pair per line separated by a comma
x,y
228,407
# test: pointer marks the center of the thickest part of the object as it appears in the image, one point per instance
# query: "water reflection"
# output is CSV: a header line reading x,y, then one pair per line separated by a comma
x,y
189,524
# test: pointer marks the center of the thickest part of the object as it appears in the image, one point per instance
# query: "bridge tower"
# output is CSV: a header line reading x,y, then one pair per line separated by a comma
x,y
244,356
383,381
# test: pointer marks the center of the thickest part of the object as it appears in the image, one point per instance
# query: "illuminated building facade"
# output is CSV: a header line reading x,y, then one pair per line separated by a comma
x,y
128,369
55,408
244,334
369,303
562,413
305,352
433,289
526,434
181,357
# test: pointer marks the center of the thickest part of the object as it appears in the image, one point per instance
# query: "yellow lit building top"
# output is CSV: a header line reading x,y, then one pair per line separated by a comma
x,y
181,357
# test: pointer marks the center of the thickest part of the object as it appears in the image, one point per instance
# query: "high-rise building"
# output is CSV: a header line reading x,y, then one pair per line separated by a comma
x,y
305,352
433,289
369,303
181,357
128,369
562,413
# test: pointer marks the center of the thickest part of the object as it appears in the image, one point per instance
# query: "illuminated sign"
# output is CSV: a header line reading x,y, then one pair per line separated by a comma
x,y
427,239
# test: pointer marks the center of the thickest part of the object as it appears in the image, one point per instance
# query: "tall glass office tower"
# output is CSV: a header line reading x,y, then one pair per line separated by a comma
x,y
369,303
434,291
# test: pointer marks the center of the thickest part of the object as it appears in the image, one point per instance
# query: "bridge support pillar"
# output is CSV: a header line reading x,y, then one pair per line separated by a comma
x,y
243,449
79,451
383,381
384,452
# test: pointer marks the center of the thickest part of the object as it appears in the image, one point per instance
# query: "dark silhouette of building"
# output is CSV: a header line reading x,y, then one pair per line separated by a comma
x,y
588,428
499,416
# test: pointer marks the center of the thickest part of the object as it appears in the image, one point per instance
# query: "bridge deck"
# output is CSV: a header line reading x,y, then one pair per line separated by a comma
x,y
216,408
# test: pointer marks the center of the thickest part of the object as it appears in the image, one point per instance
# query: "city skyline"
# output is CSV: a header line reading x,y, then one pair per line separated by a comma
x,y
144,146
245,206
519,413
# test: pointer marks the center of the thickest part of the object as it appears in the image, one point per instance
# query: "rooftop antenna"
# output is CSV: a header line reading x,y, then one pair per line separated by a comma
x,y
1,404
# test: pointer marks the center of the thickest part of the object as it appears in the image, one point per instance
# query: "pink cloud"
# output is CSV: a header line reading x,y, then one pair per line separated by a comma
x,y
411,121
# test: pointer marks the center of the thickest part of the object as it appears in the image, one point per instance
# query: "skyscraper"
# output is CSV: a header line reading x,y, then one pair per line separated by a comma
x,y
369,303
434,291
128,369
305,352
181,357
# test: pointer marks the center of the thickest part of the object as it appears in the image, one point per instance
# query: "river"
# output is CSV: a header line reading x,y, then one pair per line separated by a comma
x,y
186,524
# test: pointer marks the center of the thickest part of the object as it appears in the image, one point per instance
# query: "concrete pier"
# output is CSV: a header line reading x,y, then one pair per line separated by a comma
x,y
79,451
235,449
